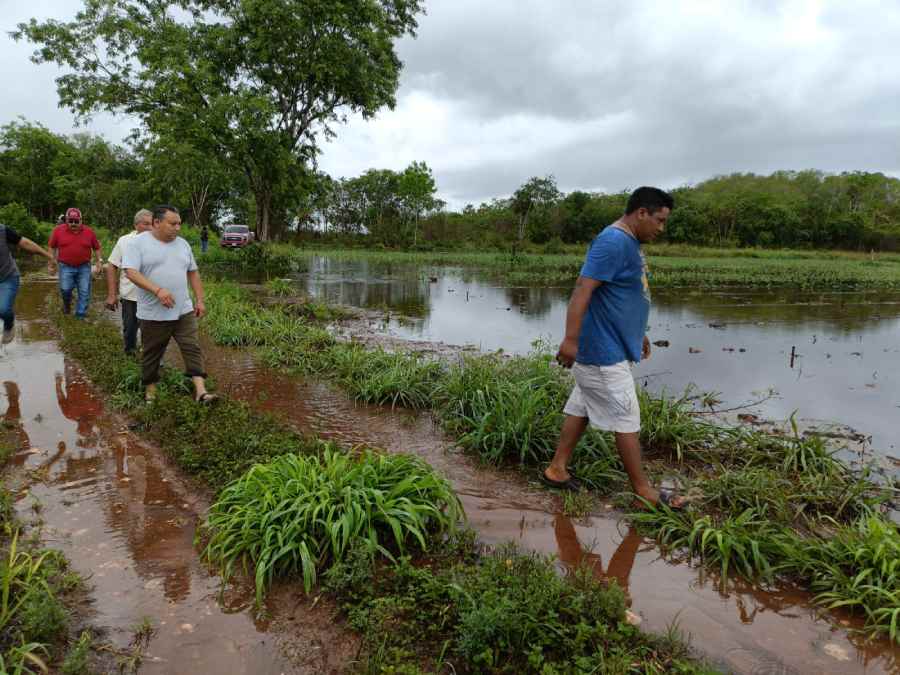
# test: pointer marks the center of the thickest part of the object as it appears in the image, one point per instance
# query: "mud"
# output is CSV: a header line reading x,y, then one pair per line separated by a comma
x,y
741,628
126,520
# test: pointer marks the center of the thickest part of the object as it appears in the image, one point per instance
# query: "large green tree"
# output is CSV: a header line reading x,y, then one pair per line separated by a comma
x,y
255,82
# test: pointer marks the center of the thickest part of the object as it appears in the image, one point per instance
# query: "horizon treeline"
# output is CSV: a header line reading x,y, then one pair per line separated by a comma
x,y
42,173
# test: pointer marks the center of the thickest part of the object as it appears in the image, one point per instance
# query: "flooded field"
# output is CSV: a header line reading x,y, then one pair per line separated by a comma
x,y
126,520
739,343
740,627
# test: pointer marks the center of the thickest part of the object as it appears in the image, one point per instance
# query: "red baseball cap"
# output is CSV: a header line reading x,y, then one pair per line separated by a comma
x,y
73,215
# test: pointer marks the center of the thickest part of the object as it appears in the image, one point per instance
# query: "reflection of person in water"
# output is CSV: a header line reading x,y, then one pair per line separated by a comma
x,y
78,404
574,555
12,420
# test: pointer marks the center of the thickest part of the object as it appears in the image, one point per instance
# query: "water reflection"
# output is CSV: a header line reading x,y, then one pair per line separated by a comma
x,y
736,342
575,556
78,402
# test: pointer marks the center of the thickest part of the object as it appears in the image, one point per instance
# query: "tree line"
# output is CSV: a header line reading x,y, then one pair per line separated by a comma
x,y
42,173
233,97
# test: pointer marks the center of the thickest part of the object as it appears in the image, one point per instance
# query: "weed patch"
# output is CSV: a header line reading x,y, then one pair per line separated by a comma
x,y
296,515
500,611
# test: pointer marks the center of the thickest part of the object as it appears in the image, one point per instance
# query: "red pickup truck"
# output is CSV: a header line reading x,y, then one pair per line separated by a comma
x,y
236,236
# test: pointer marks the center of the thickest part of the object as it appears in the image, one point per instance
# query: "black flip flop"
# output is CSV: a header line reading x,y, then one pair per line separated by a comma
x,y
207,399
571,483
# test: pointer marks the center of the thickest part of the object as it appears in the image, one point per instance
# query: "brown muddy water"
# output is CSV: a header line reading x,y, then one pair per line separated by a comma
x,y
126,520
738,342
741,628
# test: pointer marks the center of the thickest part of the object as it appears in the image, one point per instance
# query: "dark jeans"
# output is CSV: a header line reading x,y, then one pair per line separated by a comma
x,y
9,288
130,325
204,245
71,277
155,336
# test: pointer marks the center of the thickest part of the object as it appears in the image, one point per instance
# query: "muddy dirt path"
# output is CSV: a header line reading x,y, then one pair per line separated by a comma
x,y
126,520
743,629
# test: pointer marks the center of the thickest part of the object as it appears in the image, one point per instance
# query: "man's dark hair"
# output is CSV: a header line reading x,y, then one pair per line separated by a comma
x,y
159,212
650,198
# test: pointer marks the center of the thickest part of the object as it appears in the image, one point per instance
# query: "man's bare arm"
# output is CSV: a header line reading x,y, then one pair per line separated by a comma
x,y
112,285
578,304
193,278
27,245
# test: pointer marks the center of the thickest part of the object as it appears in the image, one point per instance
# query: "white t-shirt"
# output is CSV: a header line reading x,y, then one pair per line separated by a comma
x,y
127,290
166,264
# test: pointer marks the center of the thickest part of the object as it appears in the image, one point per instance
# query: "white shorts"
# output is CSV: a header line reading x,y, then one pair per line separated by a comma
x,y
606,396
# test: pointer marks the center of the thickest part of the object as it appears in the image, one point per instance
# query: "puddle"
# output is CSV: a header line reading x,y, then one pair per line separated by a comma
x,y
126,521
846,353
743,629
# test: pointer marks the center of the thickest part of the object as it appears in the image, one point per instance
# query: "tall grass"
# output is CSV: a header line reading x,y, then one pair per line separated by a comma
x,y
296,515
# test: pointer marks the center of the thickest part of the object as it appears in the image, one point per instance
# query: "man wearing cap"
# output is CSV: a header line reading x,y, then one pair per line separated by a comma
x,y
74,246
127,291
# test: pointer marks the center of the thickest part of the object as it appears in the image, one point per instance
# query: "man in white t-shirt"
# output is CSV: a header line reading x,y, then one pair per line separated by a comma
x,y
127,291
161,264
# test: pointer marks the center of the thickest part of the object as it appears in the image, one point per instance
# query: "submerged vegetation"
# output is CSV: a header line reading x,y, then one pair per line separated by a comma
x,y
671,266
379,531
764,506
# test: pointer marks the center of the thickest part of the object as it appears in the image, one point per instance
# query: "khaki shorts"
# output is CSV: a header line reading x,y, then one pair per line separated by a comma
x,y
606,396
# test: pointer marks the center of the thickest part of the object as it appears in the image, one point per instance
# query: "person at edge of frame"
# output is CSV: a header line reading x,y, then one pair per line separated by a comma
x,y
10,278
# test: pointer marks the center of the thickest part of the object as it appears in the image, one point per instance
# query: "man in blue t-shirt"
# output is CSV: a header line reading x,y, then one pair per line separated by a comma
x,y
606,326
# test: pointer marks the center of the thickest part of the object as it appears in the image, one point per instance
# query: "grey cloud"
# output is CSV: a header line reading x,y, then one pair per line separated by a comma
x,y
603,95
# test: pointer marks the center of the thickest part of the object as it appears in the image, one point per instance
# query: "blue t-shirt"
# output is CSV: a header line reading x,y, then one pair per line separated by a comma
x,y
615,323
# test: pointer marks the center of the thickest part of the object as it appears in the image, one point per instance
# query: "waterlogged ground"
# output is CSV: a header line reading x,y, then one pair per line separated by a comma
x,y
740,628
737,342
126,521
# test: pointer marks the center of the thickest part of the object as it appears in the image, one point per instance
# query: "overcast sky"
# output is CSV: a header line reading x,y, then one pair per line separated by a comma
x,y
603,95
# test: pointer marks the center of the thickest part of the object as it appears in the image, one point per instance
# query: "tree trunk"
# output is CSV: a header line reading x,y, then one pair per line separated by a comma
x,y
263,214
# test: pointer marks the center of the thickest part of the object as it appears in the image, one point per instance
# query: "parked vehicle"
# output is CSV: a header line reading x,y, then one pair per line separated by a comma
x,y
236,236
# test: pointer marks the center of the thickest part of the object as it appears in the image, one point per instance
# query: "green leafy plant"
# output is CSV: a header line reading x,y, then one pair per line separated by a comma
x,y
296,514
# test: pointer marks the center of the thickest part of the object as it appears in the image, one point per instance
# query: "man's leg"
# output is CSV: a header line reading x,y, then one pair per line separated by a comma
x,y
84,290
155,338
629,447
572,429
66,285
187,336
9,288
129,325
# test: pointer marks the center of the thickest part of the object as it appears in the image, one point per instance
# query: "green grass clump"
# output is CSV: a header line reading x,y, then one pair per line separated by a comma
x,y
856,567
496,612
33,619
77,659
296,515
280,287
